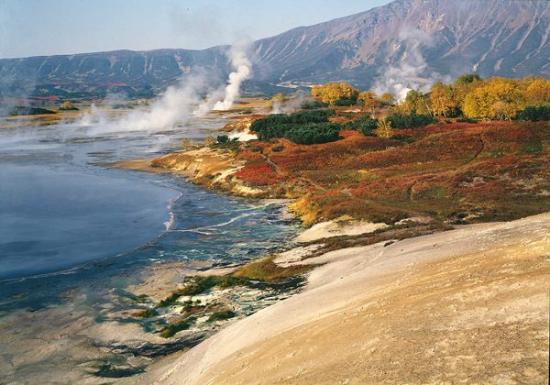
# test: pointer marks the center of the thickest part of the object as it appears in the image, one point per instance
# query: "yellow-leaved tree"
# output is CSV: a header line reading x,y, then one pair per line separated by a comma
x,y
369,101
387,98
443,100
332,92
496,98
538,92
415,102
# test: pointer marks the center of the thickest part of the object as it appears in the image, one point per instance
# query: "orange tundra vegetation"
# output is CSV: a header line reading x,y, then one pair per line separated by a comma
x,y
452,172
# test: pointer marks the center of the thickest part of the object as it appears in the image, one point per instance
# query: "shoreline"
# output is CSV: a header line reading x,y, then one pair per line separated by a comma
x,y
335,251
344,286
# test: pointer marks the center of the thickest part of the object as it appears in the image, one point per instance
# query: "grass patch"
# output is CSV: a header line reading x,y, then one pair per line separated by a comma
x,y
174,328
199,285
262,273
268,271
222,315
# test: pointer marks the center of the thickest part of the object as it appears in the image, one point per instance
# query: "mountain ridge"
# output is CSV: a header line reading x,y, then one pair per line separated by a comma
x,y
402,42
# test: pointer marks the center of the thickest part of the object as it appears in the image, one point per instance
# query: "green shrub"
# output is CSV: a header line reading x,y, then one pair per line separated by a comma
x,y
344,102
313,105
535,113
305,127
466,120
223,142
313,133
404,138
365,124
314,116
412,120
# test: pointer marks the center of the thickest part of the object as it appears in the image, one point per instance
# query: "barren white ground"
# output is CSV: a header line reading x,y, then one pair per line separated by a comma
x,y
464,306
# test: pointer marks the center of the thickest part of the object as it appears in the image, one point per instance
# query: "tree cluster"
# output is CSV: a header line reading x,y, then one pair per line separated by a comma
x,y
334,93
306,127
494,98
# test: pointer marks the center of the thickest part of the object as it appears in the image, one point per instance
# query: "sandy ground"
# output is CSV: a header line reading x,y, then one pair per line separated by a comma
x,y
463,306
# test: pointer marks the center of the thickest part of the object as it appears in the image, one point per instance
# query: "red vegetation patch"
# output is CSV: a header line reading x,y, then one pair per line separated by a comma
x,y
258,173
454,172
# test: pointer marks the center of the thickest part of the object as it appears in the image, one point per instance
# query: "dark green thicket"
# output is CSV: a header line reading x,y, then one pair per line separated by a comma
x,y
315,116
313,105
306,127
413,120
312,133
535,113
345,102
365,124
225,143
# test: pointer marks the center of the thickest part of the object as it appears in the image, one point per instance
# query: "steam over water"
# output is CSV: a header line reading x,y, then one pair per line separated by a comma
x,y
69,224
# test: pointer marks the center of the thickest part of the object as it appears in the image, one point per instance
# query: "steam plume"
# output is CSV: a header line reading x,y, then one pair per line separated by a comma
x,y
291,104
178,103
242,71
412,72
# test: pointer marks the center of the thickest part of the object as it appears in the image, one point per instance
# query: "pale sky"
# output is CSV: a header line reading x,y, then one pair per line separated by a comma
x,y
48,27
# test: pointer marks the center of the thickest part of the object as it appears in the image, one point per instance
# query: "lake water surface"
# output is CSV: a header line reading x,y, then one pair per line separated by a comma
x,y
69,223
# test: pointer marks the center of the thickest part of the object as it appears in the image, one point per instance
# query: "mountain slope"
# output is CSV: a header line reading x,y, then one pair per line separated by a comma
x,y
491,37
403,41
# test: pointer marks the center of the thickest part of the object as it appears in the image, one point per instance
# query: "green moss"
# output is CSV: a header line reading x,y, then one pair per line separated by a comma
x,y
268,271
200,285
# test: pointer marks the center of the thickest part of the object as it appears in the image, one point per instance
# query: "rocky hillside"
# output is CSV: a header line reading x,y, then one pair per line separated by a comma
x,y
416,38
403,41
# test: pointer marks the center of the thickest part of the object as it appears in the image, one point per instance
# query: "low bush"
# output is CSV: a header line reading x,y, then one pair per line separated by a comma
x,y
413,120
313,105
535,113
225,143
314,116
313,133
345,102
365,124
305,127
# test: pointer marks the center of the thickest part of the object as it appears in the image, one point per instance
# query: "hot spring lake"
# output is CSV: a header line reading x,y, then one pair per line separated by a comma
x,y
70,224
